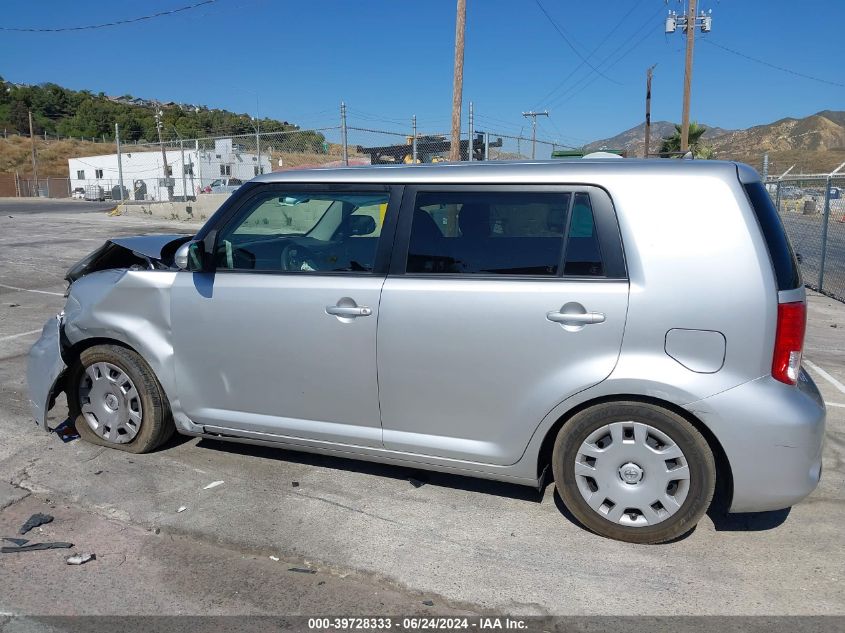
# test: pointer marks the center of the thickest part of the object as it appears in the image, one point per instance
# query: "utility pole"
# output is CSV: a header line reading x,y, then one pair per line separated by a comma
x,y
688,23
158,117
471,132
34,162
649,74
533,115
458,81
414,140
343,138
119,161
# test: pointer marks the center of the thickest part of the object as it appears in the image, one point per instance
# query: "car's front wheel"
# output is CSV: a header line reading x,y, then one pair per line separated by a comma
x,y
116,401
634,472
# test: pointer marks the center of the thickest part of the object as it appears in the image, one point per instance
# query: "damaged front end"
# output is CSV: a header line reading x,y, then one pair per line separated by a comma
x,y
48,359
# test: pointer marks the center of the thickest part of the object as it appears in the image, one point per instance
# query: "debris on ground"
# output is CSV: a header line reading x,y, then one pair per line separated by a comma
x,y
98,472
213,484
81,559
14,305
16,541
302,570
428,603
418,480
275,558
35,547
34,521
181,509
295,484
67,431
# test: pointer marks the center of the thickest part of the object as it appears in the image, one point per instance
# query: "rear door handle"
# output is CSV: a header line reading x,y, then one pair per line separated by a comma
x,y
349,311
587,318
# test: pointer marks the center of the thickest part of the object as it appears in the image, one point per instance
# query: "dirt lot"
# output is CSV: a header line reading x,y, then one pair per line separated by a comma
x,y
377,543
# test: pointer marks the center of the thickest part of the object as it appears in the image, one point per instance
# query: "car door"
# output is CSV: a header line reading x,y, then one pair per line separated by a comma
x,y
280,338
501,303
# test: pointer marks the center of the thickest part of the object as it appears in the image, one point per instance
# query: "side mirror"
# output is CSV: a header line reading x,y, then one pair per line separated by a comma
x,y
361,224
189,256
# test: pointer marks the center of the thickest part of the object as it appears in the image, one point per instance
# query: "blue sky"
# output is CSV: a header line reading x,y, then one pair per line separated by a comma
x,y
389,59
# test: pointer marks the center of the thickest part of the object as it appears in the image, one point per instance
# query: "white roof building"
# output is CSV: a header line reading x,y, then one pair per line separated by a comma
x,y
144,176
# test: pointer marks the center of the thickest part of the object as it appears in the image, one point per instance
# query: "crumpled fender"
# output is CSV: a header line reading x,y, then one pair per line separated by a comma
x,y
45,367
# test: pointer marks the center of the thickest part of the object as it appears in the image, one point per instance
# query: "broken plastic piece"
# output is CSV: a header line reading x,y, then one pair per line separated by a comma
x,y
34,521
181,509
67,431
35,547
428,603
213,484
81,559
295,484
16,541
302,570
275,558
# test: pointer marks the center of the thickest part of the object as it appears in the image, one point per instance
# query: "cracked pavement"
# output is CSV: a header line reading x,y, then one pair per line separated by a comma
x,y
377,543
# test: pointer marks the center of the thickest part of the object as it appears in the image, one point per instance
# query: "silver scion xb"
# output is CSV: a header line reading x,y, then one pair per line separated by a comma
x,y
633,328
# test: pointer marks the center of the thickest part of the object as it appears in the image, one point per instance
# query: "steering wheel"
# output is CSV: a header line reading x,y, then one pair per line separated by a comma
x,y
297,258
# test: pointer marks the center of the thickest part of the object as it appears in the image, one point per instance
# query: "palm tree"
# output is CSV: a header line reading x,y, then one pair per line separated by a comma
x,y
672,144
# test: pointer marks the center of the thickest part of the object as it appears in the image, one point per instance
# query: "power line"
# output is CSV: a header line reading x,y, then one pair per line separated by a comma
x,y
580,85
593,52
108,24
568,43
770,65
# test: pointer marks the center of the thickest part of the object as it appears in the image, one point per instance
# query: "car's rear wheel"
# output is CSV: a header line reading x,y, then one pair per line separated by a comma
x,y
116,401
634,472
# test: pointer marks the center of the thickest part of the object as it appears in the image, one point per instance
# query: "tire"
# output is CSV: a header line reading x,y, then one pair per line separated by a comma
x,y
611,460
127,408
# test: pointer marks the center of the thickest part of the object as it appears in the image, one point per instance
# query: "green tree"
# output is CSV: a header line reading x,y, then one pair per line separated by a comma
x,y
671,145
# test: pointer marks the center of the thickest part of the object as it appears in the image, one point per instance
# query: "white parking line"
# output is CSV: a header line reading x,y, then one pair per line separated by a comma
x,y
9,338
41,292
821,372
835,404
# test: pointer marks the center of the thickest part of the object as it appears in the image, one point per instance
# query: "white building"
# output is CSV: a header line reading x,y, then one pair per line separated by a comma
x,y
144,176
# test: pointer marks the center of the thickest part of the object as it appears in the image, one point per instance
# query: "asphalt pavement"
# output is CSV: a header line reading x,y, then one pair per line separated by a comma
x,y
376,542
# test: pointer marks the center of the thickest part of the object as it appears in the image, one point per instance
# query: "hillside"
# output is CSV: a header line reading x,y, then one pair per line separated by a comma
x,y
633,140
813,144
60,112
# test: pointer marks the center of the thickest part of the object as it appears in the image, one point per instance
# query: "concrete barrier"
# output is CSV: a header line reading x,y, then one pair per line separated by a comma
x,y
200,210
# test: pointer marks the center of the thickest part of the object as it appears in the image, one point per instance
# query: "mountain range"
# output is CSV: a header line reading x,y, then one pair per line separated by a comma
x,y
814,144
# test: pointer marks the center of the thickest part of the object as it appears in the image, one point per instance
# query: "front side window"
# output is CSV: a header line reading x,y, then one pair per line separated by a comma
x,y
98,173
80,174
503,233
304,232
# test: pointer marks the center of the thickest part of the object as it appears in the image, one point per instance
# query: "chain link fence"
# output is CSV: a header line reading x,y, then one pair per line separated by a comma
x,y
812,209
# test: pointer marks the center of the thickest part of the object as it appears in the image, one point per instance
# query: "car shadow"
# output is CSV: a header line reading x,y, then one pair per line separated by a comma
x,y
742,521
414,477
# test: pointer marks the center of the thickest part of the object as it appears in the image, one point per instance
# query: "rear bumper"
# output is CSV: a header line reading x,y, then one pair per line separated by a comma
x,y
772,435
45,367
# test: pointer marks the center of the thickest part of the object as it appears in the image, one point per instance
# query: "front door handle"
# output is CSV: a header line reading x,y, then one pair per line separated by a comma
x,y
587,318
349,311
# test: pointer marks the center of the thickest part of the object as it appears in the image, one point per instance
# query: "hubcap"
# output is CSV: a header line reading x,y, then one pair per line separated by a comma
x,y
110,403
632,474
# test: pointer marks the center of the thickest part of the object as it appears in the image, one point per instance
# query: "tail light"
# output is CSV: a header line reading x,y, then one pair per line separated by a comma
x,y
789,341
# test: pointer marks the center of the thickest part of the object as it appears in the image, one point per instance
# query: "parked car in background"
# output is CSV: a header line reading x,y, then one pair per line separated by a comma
x,y
223,185
500,320
78,193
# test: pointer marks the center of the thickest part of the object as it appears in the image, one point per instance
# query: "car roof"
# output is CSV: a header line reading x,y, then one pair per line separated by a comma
x,y
512,172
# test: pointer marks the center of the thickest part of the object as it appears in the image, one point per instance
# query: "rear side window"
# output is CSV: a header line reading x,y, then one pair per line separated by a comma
x,y
504,233
780,250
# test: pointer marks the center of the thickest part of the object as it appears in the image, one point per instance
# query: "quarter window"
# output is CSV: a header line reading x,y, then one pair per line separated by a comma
x,y
304,232
504,233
